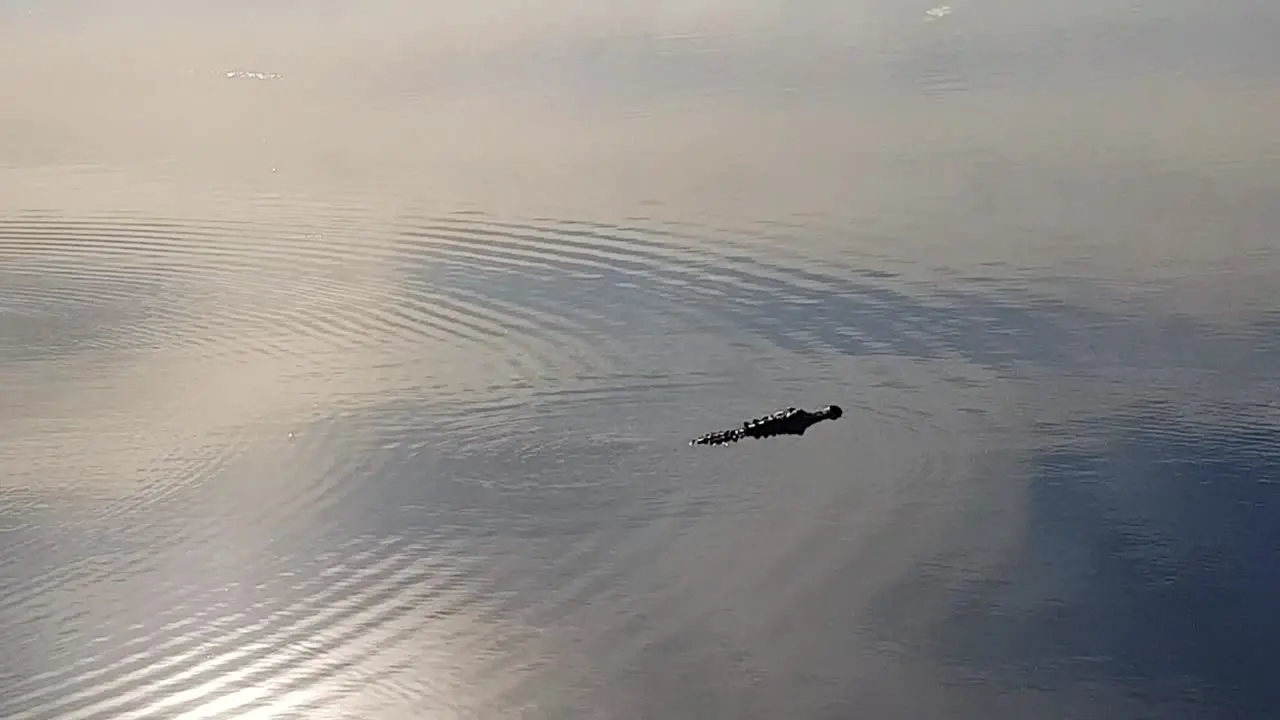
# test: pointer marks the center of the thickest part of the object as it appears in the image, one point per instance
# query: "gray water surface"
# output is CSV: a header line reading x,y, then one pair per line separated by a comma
x,y
350,356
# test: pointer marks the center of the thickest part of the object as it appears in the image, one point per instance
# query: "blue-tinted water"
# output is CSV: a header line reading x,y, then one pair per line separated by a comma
x,y
350,359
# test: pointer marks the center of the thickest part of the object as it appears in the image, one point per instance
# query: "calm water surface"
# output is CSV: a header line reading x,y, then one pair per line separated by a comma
x,y
349,357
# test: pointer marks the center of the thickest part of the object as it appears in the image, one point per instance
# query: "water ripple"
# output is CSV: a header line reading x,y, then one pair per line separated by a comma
x,y
304,459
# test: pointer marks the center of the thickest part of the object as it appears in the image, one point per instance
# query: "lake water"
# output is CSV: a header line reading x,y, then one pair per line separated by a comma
x,y
350,355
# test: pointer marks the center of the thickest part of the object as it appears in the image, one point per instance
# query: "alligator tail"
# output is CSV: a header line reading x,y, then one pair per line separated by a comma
x,y
723,437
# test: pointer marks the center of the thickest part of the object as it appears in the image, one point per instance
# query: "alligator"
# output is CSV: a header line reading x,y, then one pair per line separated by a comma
x,y
784,422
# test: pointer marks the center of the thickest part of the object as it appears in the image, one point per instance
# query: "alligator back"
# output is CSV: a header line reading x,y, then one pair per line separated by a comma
x,y
773,422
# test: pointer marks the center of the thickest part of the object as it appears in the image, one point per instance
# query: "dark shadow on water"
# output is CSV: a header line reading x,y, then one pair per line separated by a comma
x,y
1151,563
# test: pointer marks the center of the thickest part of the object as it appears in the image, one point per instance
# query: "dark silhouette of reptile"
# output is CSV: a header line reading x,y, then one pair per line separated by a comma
x,y
784,422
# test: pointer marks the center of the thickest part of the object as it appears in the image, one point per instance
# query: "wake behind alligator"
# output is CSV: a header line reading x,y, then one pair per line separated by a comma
x,y
784,422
